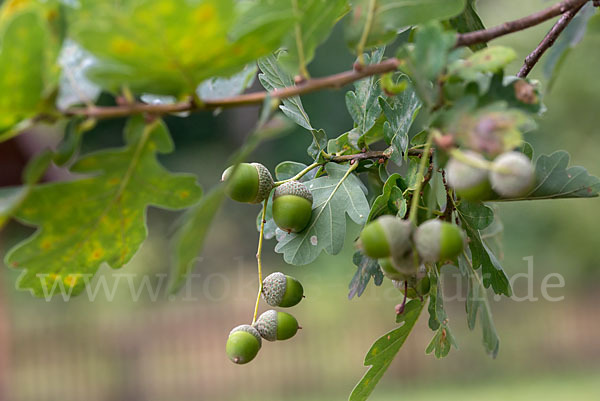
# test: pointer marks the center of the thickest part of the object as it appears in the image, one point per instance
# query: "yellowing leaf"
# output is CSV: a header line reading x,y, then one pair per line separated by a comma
x,y
27,65
87,222
169,46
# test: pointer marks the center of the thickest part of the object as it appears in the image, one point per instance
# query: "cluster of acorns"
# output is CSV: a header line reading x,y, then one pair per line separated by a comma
x,y
510,175
245,341
401,249
252,183
292,211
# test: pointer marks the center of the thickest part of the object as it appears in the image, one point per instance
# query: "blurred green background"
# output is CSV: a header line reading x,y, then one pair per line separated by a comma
x,y
152,347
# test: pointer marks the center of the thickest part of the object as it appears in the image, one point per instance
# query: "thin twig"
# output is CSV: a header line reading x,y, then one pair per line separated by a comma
x,y
485,35
259,258
425,161
379,154
311,85
532,59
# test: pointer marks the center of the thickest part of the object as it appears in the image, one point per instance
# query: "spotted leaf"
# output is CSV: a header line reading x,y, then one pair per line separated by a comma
x,y
100,218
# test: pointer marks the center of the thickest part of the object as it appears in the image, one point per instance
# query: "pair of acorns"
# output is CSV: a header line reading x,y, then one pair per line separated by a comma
x,y
245,341
252,183
393,241
511,176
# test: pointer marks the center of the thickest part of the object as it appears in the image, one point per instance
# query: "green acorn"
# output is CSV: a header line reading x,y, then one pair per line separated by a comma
x,y
281,290
469,182
243,344
513,175
292,206
273,325
251,183
438,240
386,236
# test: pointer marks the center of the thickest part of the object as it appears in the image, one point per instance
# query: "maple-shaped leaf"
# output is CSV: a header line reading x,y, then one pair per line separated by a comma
x,y
167,47
101,218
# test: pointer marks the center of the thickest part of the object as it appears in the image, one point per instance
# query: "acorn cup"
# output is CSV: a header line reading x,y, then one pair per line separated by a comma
x,y
273,325
281,290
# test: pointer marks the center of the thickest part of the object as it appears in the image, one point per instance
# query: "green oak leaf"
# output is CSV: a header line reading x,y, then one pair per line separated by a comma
x,y
391,16
554,179
190,238
100,218
365,269
490,59
314,24
425,59
443,340
167,47
400,112
274,77
478,304
384,350
391,200
28,69
11,198
475,217
194,227
333,198
362,103
469,21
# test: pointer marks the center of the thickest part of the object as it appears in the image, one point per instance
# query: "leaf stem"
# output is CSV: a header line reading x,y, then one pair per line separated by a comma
x,y
360,46
299,175
259,258
414,206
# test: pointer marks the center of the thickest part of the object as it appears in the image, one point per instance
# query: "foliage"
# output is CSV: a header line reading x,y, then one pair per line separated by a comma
x,y
413,108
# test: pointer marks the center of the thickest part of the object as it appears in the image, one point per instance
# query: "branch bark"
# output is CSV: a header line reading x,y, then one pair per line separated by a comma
x,y
485,35
315,84
308,86
532,59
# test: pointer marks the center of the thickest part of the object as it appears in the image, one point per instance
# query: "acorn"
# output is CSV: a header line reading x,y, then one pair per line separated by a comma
x,y
386,236
273,325
251,182
281,290
469,182
438,240
292,206
513,175
243,344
